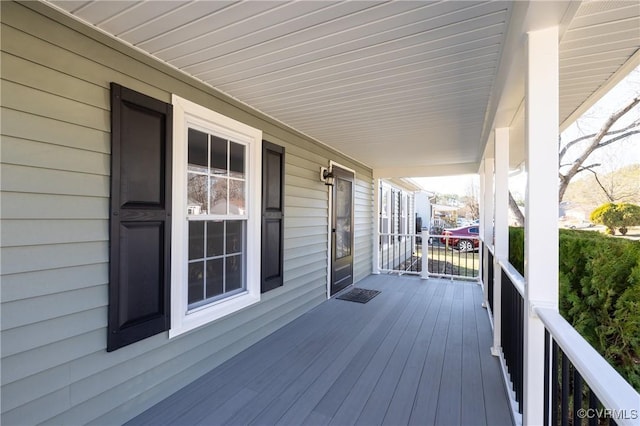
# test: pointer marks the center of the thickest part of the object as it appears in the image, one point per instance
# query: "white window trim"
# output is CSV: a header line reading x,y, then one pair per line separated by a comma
x,y
386,211
187,113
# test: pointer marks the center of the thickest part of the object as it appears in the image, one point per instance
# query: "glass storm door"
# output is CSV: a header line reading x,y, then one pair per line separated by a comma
x,y
342,230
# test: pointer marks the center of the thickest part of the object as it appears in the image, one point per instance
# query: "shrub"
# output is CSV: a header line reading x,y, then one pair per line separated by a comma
x,y
516,248
614,216
599,293
630,216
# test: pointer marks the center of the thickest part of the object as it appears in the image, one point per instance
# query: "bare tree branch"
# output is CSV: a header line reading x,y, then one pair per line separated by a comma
x,y
582,169
633,125
617,138
586,167
596,143
589,167
606,192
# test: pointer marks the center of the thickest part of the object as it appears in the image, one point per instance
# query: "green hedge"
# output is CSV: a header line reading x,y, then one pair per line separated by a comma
x,y
599,293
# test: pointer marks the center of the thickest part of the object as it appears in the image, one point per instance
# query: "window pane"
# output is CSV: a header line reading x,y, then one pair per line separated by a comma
x,y
196,240
235,237
218,196
215,239
385,202
234,273
197,151
343,237
236,197
214,277
196,282
343,217
218,156
344,188
196,194
236,154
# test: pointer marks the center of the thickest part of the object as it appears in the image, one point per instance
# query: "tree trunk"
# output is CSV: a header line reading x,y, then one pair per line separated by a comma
x,y
515,210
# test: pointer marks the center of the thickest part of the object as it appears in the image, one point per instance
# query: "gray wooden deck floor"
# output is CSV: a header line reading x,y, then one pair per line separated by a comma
x,y
417,354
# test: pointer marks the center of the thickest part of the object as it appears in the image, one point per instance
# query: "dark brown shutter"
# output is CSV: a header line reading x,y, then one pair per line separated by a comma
x,y
272,215
140,210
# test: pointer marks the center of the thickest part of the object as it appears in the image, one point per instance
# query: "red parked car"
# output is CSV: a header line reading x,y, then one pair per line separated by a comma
x,y
456,237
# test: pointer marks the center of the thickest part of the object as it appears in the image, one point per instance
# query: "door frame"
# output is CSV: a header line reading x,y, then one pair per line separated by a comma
x,y
330,224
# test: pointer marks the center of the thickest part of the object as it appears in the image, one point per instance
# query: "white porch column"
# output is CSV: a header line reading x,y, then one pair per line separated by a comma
x,y
483,271
487,220
501,228
375,267
541,218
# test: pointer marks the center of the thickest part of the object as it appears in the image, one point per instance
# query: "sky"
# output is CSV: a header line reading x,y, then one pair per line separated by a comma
x,y
615,156
460,184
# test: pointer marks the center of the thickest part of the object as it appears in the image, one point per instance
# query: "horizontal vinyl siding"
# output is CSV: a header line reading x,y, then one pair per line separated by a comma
x,y
55,211
29,285
305,219
363,217
55,135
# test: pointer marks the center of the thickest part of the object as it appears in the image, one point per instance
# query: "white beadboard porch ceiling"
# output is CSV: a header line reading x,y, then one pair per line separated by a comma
x,y
391,84
601,46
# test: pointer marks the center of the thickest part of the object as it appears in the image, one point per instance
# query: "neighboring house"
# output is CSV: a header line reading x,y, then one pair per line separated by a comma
x,y
572,213
153,227
444,216
423,209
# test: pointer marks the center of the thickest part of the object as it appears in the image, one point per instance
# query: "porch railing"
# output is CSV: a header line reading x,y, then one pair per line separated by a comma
x,y
490,277
451,256
400,253
580,386
443,257
512,327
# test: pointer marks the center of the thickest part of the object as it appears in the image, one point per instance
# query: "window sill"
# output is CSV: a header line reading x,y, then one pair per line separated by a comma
x,y
207,314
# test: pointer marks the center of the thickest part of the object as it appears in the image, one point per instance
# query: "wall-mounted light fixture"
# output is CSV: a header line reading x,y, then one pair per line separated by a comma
x,y
326,176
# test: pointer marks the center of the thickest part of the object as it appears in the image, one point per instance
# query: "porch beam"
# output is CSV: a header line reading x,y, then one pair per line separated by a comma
x,y
541,218
501,228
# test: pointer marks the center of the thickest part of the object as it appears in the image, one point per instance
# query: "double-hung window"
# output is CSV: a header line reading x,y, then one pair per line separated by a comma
x,y
216,223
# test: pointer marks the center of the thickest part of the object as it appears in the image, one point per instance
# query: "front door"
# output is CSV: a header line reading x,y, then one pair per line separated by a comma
x,y
342,230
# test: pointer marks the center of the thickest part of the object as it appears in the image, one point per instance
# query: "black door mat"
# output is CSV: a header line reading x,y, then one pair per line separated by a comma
x,y
360,295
